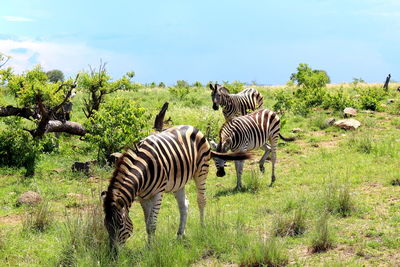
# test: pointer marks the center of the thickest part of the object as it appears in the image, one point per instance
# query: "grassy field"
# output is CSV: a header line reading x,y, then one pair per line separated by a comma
x,y
336,201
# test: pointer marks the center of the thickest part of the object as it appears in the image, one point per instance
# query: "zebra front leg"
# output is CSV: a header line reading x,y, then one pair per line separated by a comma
x,y
152,220
147,206
264,157
239,169
183,205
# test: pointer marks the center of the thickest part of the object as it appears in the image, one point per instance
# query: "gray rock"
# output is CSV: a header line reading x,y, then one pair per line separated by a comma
x,y
29,198
348,124
350,112
330,121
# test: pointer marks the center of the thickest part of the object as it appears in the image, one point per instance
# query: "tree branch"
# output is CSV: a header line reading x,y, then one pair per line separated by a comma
x,y
26,113
66,127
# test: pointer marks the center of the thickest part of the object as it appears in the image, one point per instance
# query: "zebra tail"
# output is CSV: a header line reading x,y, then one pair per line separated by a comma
x,y
231,156
287,139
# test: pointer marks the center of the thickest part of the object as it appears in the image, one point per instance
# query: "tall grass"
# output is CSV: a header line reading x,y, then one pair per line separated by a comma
x,y
322,239
39,218
290,225
338,200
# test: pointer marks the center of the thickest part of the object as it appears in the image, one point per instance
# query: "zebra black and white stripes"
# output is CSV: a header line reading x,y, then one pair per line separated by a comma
x,y
258,129
234,105
163,162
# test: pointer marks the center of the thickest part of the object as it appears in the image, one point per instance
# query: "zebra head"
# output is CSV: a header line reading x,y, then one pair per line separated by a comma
x,y
116,221
216,92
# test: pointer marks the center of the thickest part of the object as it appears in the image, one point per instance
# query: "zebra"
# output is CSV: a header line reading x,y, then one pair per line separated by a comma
x,y
258,129
235,104
162,162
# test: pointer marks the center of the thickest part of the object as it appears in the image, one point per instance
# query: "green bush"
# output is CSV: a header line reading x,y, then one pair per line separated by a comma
x,y
338,100
18,149
370,97
118,124
284,100
182,84
234,87
179,93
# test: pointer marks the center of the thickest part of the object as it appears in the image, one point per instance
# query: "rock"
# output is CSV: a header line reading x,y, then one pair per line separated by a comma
x,y
114,157
348,124
330,121
390,101
29,198
350,112
297,130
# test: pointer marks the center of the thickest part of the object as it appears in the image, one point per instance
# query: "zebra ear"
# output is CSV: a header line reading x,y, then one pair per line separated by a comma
x,y
223,90
103,195
211,86
213,145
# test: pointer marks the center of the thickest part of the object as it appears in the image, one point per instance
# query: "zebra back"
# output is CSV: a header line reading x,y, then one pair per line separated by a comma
x,y
241,104
250,131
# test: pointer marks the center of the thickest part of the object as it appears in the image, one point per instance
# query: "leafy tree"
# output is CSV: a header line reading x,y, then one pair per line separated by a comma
x,y
161,85
307,77
197,84
39,101
234,87
97,84
119,124
182,84
55,76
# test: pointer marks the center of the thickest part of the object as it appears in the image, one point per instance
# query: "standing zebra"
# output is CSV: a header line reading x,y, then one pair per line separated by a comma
x,y
163,162
246,133
235,104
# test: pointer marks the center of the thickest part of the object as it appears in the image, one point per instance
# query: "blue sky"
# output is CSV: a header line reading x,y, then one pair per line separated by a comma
x,y
251,40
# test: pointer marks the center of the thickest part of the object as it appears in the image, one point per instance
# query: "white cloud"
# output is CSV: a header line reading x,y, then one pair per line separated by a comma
x,y
68,57
17,19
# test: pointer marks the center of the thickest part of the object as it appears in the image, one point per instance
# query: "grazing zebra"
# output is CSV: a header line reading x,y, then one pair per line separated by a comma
x,y
163,162
258,129
235,104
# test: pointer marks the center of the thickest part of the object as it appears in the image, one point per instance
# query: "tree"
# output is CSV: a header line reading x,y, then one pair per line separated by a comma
x,y
307,77
55,76
97,84
39,101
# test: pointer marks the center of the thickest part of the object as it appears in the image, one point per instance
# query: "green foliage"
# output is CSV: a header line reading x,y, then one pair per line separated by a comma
x,y
161,85
119,124
357,81
97,84
284,100
179,93
322,239
182,84
5,75
338,100
370,97
55,76
338,200
18,149
32,84
197,84
234,87
309,78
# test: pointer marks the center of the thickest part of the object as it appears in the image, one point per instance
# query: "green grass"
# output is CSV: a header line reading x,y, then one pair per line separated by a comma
x,y
349,175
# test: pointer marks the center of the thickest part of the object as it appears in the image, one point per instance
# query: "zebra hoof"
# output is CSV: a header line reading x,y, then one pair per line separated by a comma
x,y
262,169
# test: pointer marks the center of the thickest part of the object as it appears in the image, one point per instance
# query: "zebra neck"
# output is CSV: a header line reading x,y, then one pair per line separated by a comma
x,y
226,100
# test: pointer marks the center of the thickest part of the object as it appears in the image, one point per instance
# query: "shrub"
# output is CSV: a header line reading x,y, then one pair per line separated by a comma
x,y
370,97
161,85
18,149
179,93
290,225
234,87
119,124
197,84
182,84
284,100
337,100
322,239
39,219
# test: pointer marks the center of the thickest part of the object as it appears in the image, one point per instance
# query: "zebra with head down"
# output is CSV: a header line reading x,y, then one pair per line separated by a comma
x,y
163,162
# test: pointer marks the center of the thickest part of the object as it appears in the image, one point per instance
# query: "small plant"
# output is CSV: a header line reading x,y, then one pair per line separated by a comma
x,y
338,200
253,183
264,253
362,143
39,219
291,225
322,239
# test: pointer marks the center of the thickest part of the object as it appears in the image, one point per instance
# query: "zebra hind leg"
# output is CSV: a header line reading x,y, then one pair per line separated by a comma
x,y
239,169
273,159
264,157
152,220
183,205
200,180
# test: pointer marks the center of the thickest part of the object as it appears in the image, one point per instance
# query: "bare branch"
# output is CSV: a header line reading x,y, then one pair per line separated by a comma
x,y
26,113
159,121
65,127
